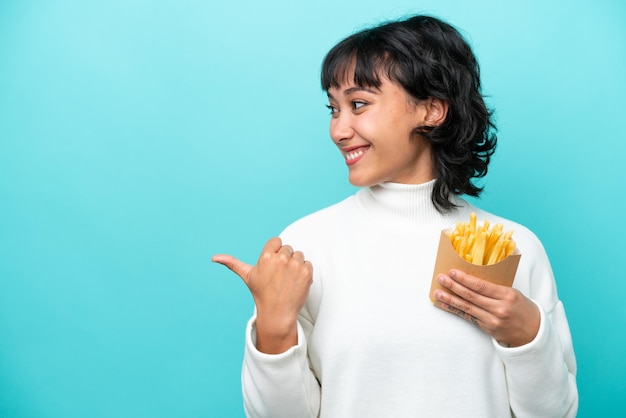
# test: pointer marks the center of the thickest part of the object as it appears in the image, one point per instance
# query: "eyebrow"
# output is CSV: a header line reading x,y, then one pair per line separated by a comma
x,y
351,90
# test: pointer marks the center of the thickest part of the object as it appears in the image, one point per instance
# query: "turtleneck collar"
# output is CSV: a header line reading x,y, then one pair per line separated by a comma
x,y
409,204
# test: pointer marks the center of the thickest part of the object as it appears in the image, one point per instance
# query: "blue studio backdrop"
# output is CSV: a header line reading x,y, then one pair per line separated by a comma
x,y
138,138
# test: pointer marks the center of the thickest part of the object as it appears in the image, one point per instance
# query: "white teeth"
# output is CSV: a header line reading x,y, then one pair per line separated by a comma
x,y
354,154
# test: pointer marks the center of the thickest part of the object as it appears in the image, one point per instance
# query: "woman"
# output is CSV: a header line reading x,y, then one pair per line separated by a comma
x,y
356,336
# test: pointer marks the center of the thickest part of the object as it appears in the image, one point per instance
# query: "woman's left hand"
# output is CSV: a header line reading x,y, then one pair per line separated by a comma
x,y
502,312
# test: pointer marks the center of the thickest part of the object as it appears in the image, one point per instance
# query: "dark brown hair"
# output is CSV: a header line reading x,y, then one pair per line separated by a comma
x,y
428,58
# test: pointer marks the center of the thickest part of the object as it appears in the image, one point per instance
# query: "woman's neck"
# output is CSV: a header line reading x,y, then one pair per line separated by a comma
x,y
409,204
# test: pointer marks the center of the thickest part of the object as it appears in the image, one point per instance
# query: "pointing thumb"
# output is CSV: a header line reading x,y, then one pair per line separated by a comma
x,y
240,268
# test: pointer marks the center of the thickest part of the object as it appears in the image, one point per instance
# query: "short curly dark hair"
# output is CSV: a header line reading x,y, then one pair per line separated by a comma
x,y
428,58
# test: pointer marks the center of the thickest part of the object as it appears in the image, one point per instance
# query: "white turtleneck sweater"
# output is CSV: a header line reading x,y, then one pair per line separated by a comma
x,y
371,343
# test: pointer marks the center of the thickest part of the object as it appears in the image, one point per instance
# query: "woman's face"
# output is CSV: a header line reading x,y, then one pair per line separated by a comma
x,y
372,129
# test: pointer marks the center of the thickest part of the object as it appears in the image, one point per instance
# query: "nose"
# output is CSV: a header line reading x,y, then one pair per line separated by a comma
x,y
341,128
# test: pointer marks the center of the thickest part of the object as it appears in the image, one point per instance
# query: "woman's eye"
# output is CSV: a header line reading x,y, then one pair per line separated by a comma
x,y
332,109
358,104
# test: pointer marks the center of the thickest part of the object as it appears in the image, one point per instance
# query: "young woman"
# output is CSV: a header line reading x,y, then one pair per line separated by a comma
x,y
349,331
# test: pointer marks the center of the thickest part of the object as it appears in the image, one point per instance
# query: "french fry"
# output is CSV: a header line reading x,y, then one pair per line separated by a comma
x,y
462,247
495,253
510,248
482,245
478,250
472,222
494,236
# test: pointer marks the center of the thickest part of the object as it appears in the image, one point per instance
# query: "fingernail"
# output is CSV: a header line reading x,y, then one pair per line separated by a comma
x,y
437,294
453,273
440,279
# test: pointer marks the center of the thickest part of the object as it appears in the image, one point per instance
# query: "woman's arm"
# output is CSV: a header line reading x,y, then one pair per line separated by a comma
x,y
279,385
276,378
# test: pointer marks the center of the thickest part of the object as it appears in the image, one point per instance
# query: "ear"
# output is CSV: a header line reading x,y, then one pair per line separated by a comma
x,y
436,111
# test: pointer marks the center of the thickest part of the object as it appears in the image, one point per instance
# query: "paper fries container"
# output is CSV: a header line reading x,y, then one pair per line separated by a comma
x,y
502,273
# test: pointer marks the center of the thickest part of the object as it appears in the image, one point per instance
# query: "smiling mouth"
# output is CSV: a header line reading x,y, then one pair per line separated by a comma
x,y
354,155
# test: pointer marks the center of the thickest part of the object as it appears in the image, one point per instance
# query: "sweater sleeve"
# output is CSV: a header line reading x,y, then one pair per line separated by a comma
x,y
541,375
279,385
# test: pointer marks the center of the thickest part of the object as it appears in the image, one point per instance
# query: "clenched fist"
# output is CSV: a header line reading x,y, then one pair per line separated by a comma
x,y
279,283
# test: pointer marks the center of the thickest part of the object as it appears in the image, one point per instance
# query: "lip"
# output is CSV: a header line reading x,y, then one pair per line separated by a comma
x,y
354,154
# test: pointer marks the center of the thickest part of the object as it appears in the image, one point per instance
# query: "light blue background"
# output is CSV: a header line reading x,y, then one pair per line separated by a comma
x,y
137,138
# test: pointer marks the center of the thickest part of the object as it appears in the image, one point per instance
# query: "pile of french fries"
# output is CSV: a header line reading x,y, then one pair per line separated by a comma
x,y
481,245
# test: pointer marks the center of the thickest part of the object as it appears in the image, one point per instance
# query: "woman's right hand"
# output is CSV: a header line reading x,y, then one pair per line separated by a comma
x,y
279,284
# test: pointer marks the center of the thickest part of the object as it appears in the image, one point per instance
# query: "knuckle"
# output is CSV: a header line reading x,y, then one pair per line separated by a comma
x,y
501,314
265,257
498,325
460,277
517,297
467,308
492,324
480,286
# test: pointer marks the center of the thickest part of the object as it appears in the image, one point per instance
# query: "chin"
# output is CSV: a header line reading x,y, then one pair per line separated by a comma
x,y
361,182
